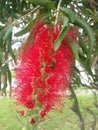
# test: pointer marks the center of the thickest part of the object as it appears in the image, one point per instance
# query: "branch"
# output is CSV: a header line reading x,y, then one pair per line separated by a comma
x,y
93,126
57,11
76,109
6,62
15,22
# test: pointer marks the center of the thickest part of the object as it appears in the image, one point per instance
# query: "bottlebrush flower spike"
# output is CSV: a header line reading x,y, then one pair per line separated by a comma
x,y
43,75
21,112
32,121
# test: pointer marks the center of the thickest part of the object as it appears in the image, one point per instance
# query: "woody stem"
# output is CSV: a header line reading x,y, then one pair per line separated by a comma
x,y
57,11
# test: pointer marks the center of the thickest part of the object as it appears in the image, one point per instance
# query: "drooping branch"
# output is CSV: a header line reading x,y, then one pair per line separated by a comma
x,y
16,21
93,124
76,109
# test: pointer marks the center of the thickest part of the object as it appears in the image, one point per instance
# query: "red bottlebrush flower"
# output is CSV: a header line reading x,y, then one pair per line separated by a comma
x,y
33,121
42,113
29,103
42,75
21,112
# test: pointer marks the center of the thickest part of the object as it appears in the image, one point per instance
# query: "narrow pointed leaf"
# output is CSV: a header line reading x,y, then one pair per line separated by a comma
x,y
4,69
1,57
47,3
85,26
2,27
85,64
24,30
90,35
62,34
9,47
75,50
83,45
7,32
69,12
76,75
9,76
12,54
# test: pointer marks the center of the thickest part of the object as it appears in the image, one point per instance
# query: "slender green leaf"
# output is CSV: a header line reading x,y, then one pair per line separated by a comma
x,y
90,35
65,2
11,52
9,76
85,64
47,3
9,47
74,49
83,45
96,50
1,42
8,32
24,30
62,34
2,3
1,57
85,26
2,27
4,69
69,12
76,75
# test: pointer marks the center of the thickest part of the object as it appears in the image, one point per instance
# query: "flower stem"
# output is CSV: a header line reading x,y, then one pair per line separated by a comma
x,y
57,11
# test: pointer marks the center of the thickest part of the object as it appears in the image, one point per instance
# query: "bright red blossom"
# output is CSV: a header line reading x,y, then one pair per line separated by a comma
x,y
42,113
21,112
32,121
43,75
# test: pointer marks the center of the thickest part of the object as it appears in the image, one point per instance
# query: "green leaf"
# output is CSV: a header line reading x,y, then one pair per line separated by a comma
x,y
69,12
62,34
4,69
96,50
74,49
76,75
85,64
66,2
2,27
24,30
85,26
9,76
2,4
1,40
8,32
90,35
11,52
9,47
83,45
47,3
1,57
